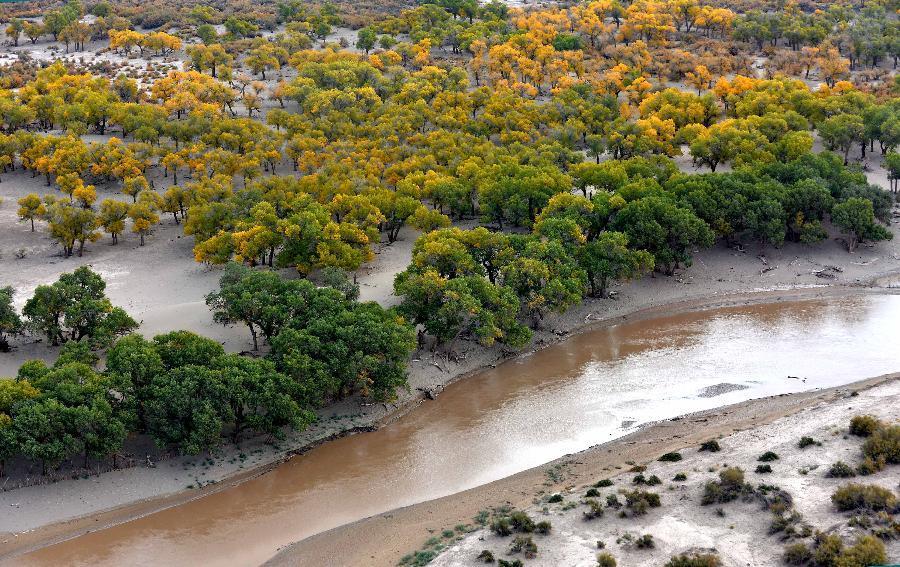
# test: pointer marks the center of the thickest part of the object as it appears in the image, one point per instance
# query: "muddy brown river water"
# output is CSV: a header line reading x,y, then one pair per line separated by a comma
x,y
586,390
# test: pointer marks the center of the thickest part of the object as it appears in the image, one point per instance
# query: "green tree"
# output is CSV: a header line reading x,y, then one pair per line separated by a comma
x,y
608,258
10,323
856,218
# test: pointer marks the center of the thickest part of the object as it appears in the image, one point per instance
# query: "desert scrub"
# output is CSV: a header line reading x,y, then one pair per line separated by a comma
x,y
763,469
638,501
694,560
637,469
524,544
670,457
592,493
870,466
612,501
595,509
543,527
501,526
712,446
729,487
521,522
869,497
644,542
884,444
768,457
806,442
789,524
485,556
680,477
603,483
864,425
830,551
605,560
840,469
556,498
513,563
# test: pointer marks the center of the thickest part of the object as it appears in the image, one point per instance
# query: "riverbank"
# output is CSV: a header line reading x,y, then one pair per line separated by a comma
x,y
744,430
720,277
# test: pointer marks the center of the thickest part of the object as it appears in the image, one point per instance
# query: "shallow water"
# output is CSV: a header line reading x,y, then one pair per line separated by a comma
x,y
589,389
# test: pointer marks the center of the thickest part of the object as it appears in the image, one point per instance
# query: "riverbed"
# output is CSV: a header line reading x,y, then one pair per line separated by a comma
x,y
586,390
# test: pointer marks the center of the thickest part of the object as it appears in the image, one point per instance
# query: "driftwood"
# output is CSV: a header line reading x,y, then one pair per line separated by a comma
x,y
828,272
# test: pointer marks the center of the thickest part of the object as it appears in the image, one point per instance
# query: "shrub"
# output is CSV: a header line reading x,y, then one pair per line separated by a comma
x,y
521,522
501,527
797,554
680,477
864,497
638,501
768,457
513,563
595,510
864,425
806,442
592,493
729,486
603,483
543,527
605,560
712,446
829,551
884,444
763,469
485,556
637,469
556,498
639,479
525,545
870,466
644,542
653,480
840,469
670,457
612,501
694,560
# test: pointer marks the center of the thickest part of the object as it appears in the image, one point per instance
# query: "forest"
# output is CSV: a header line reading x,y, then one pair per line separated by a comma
x,y
544,155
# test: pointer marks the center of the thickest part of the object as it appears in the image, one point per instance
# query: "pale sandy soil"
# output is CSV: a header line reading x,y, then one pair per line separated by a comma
x,y
383,539
682,524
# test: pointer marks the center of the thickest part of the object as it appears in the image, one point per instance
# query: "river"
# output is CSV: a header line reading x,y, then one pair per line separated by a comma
x,y
586,390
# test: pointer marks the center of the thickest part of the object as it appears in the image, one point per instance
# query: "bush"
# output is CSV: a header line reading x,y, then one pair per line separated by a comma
x,y
864,497
864,425
485,556
638,501
870,466
525,545
797,554
694,560
644,542
556,498
680,477
595,510
612,501
763,469
884,444
653,480
603,483
592,493
637,468
501,527
513,563
768,457
605,560
520,521
543,527
840,469
712,446
806,442
670,457
729,486
829,551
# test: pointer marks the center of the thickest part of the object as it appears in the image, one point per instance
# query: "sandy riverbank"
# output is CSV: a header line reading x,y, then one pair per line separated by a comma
x,y
745,430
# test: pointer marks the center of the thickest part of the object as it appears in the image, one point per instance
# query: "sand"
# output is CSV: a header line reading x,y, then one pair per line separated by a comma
x,y
745,431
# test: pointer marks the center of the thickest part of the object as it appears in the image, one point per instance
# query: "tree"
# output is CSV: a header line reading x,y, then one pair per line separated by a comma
x,y
70,225
131,364
30,208
841,132
112,217
856,218
608,258
10,323
664,229
74,308
143,214
184,348
14,30
366,39
45,433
